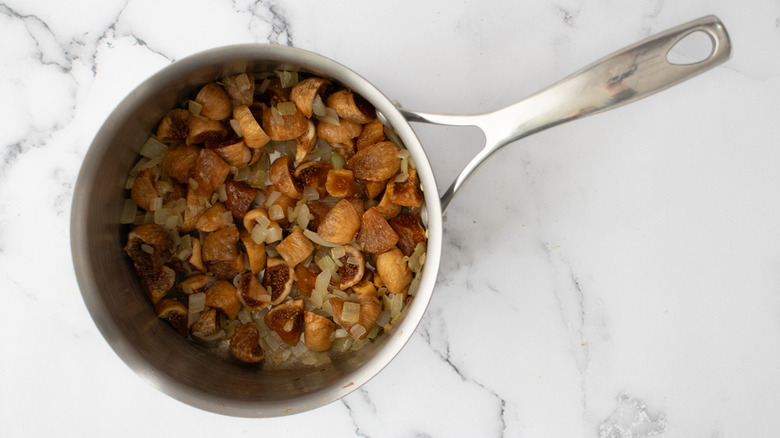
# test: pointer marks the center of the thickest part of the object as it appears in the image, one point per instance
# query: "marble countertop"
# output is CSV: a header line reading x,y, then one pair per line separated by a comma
x,y
618,276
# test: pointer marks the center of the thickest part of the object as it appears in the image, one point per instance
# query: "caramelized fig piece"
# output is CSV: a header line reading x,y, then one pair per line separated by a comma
x,y
376,235
233,151
357,317
174,126
197,202
245,343
253,134
222,296
255,252
373,188
351,107
278,278
318,212
213,219
228,269
196,283
304,92
202,129
239,197
305,279
387,207
372,132
210,172
286,320
196,259
295,248
179,161
314,174
149,246
221,245
376,162
251,293
340,223
207,323
175,313
284,127
215,102
364,287
305,143
240,88
281,176
353,267
394,271
340,136
144,189
340,183
406,193
157,282
410,232
318,332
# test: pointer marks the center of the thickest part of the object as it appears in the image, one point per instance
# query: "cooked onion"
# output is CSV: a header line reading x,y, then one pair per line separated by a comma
x,y
314,237
129,210
153,148
197,302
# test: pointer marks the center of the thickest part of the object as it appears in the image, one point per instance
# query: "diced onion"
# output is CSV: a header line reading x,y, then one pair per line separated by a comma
x,y
259,233
341,333
310,194
276,116
402,177
337,160
153,148
274,235
221,193
192,318
338,252
155,204
194,184
303,216
263,86
326,263
317,107
272,198
161,215
244,316
322,282
243,174
242,82
147,248
130,181
314,237
129,210
288,325
287,108
236,127
357,330
275,212
139,166
194,107
330,116
197,302
287,78
402,153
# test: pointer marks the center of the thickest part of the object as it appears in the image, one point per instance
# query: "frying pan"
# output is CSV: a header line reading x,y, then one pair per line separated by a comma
x,y
195,376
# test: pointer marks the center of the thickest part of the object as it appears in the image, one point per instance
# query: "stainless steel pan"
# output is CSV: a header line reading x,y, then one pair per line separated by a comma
x,y
192,375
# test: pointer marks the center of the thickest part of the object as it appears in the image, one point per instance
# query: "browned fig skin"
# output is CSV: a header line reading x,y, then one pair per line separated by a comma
x,y
201,129
213,219
318,212
286,320
281,176
318,332
253,133
251,293
376,235
279,277
215,101
373,132
305,279
406,193
387,207
364,287
373,188
196,283
196,259
227,269
351,107
305,143
222,296
340,224
179,161
255,252
393,270
234,152
210,171
304,92
376,162
174,126
149,245
144,189
207,323
245,343
295,248
239,197
240,88
157,282
410,232
341,136
291,127
221,245
175,313
340,183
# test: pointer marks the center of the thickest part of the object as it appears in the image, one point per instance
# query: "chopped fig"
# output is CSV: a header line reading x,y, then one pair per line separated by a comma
x,y
149,245
228,269
340,183
144,189
284,127
351,107
394,271
197,202
376,162
240,88
196,283
304,92
364,287
370,307
255,252
282,201
318,332
210,172
406,193
222,296
278,278
410,232
213,219
286,320
251,293
174,126
215,102
305,143
201,129
373,188
376,235
253,134
175,313
179,161
221,245
372,132
239,197
196,259
157,282
275,93
207,323
281,176
387,207
318,212
340,136
314,174
295,248
305,279
233,151
245,343
274,230
352,269
340,223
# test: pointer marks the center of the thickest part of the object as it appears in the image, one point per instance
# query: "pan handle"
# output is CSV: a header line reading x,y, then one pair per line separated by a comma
x,y
620,78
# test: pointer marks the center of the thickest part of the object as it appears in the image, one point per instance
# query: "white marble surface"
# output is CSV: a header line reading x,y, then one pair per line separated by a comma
x,y
615,277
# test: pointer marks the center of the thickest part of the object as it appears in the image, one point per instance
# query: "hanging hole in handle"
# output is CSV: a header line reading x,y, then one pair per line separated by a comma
x,y
693,48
